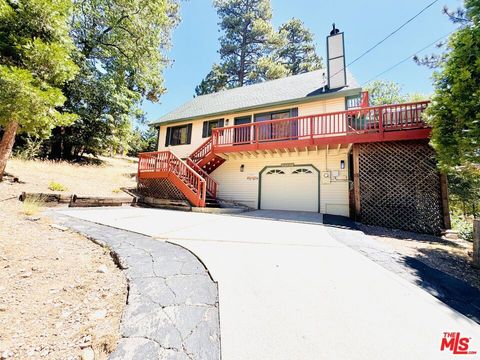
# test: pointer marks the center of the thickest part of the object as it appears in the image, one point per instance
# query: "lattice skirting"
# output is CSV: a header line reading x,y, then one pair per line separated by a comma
x,y
159,188
400,186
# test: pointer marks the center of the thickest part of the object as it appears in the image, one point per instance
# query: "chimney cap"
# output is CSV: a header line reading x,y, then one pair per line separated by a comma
x,y
334,30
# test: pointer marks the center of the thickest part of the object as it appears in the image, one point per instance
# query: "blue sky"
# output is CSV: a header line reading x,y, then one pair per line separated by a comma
x,y
195,40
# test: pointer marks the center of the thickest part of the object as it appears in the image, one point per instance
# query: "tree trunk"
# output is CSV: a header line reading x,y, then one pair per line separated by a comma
x,y
6,145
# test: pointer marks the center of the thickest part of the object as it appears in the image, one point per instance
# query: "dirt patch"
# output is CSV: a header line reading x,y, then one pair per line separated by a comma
x,y
453,257
60,294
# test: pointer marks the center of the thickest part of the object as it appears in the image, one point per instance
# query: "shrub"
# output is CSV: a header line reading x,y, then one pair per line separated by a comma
x,y
55,186
464,228
32,205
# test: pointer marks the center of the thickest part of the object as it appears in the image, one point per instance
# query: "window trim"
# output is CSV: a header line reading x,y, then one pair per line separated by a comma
x,y
293,112
170,129
206,128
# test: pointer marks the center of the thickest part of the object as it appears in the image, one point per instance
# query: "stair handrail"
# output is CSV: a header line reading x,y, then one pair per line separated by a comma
x,y
203,150
212,185
167,161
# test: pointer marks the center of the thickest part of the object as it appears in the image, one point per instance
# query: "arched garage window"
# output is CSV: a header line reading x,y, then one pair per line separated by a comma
x,y
275,172
302,171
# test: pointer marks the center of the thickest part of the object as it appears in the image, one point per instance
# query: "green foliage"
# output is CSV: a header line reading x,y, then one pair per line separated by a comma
x,y
35,62
463,226
142,141
251,51
455,110
121,57
55,186
216,80
464,191
297,52
29,149
383,92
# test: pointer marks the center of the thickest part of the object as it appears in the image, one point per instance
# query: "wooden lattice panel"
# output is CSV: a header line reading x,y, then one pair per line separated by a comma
x,y
160,188
400,186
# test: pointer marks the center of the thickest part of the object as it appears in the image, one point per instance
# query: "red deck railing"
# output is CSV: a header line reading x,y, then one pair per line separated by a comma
x,y
167,164
211,184
202,151
375,119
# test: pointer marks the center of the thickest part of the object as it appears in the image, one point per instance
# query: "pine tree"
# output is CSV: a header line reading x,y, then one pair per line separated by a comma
x,y
245,46
297,52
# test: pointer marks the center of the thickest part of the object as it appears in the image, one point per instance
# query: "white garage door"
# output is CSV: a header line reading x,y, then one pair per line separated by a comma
x,y
289,188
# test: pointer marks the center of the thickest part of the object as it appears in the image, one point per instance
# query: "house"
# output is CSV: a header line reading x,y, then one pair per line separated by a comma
x,y
309,142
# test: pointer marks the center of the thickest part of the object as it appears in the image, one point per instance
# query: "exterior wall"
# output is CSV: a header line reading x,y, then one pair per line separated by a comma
x,y
243,187
310,108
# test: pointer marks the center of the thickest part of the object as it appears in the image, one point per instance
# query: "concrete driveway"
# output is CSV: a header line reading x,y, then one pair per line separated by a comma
x,y
288,290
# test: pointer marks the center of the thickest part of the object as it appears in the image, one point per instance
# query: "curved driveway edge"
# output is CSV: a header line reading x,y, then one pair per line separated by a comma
x,y
172,305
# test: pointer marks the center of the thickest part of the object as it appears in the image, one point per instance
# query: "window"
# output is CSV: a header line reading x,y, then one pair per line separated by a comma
x,y
353,101
277,131
209,125
283,114
275,172
302,171
179,135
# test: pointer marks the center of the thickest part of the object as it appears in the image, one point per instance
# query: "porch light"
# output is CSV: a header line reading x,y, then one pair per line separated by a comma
x,y
342,164
242,167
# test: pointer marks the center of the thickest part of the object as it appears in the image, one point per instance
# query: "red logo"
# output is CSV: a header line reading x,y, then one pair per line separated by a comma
x,y
453,342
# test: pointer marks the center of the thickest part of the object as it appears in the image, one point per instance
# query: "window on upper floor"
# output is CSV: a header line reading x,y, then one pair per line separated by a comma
x,y
275,115
209,125
179,135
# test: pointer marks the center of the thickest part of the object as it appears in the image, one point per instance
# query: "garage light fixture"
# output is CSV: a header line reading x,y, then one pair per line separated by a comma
x,y
242,167
342,164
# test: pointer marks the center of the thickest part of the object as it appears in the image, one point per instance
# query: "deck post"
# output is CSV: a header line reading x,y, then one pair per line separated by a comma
x,y
356,180
311,129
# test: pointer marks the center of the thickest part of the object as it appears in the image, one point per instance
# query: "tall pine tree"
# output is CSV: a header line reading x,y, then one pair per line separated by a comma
x,y
247,41
297,52
251,51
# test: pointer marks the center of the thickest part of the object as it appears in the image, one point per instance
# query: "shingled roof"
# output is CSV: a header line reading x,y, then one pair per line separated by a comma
x,y
295,88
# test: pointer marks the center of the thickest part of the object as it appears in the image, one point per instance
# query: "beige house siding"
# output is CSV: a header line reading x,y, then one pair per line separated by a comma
x,y
309,108
243,187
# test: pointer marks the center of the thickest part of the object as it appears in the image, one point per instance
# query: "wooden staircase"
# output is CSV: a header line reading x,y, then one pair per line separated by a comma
x,y
190,177
206,158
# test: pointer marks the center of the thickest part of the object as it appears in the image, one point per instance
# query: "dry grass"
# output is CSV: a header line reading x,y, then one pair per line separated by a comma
x,y
32,206
85,180
50,290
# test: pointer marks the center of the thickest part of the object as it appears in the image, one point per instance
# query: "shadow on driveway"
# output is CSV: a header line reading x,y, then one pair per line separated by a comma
x,y
452,291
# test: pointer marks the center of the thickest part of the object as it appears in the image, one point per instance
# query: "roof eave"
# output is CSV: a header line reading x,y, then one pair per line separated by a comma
x,y
301,100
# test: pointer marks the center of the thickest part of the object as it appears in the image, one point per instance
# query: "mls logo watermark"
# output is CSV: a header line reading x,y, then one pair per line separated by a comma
x,y
452,341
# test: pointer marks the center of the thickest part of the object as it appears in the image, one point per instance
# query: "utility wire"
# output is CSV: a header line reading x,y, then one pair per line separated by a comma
x,y
406,59
388,36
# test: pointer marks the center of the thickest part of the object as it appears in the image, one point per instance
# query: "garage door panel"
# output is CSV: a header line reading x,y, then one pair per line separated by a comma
x,y
293,188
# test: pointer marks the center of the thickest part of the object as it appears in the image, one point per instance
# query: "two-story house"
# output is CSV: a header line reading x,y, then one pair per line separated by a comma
x,y
309,142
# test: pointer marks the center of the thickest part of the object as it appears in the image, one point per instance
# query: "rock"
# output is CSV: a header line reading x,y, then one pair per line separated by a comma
x,y
59,227
88,354
26,275
102,269
32,218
